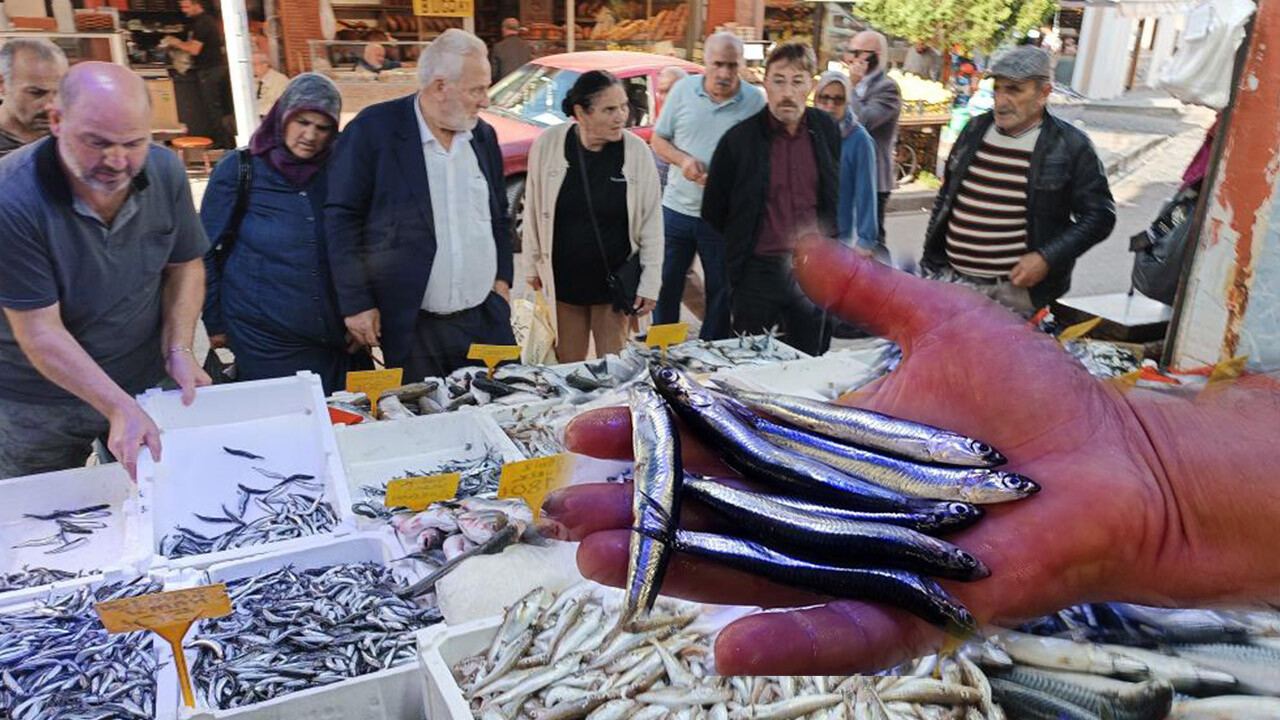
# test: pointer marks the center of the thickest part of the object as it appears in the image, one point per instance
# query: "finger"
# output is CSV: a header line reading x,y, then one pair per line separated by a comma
x,y
842,637
886,301
188,386
128,456
152,440
595,507
606,433
602,557
202,378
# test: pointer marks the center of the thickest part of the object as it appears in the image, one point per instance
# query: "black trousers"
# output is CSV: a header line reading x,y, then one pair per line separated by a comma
x,y
767,295
440,343
882,201
215,90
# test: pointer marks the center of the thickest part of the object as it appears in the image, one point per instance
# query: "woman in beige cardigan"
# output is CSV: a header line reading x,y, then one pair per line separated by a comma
x,y
566,251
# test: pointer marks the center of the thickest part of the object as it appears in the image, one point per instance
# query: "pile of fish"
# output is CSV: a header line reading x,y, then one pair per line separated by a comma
x,y
447,533
1104,360
706,356
74,527
571,657
33,577
57,661
537,431
854,502
287,514
296,629
479,476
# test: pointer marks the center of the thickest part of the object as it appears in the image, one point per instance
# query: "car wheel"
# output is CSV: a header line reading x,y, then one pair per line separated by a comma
x,y
515,207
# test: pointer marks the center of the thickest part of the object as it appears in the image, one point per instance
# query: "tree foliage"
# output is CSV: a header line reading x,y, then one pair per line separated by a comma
x,y
975,24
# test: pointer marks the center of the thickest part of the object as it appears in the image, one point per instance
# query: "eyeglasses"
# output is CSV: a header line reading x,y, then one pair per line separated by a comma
x,y
831,98
860,53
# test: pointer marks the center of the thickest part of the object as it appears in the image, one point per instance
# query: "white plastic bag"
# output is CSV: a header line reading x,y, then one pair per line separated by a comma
x,y
1200,71
531,322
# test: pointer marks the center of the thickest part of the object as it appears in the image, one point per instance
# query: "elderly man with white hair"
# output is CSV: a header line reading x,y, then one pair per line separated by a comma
x,y
418,237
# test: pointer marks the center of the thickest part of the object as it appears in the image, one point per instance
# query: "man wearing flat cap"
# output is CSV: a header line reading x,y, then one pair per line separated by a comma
x,y
1024,194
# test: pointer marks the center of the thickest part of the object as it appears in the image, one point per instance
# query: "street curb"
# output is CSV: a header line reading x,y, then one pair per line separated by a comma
x,y
1123,163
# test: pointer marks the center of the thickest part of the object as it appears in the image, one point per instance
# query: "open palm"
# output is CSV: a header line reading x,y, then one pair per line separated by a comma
x,y
968,366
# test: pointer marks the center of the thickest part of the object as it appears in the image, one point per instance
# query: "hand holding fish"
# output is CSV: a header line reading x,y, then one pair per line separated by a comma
x,y
1146,497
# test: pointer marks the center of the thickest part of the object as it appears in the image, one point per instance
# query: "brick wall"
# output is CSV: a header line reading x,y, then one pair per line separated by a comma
x,y
720,12
299,22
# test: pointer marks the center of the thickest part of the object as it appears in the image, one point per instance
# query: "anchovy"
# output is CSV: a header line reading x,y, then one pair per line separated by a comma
x,y
242,453
971,485
655,500
83,513
841,541
904,438
1147,701
755,457
497,543
33,577
909,591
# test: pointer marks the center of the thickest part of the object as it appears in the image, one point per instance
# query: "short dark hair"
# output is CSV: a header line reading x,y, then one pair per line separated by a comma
x,y
793,52
589,85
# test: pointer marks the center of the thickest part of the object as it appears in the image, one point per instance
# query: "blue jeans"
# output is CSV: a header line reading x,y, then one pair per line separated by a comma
x,y
686,235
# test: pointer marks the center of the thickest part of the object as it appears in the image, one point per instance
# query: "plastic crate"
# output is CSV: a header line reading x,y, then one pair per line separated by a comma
x,y
820,378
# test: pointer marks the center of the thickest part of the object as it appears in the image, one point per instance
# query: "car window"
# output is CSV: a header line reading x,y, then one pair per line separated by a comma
x,y
534,93
640,99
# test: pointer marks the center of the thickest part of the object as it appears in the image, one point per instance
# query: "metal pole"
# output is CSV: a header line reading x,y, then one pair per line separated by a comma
x,y
235,27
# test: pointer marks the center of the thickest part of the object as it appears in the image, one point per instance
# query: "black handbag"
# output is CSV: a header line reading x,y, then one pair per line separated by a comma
x,y
623,281
1160,249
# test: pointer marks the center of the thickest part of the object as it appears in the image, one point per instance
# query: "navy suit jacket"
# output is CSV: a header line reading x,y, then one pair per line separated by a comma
x,y
379,221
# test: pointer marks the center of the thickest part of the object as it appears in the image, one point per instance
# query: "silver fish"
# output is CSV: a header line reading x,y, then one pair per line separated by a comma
x,y
904,438
656,500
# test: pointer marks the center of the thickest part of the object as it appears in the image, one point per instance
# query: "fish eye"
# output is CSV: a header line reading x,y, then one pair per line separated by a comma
x,y
981,447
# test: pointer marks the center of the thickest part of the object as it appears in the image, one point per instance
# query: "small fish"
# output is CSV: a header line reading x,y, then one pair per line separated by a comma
x,y
1022,701
242,453
72,545
500,540
904,438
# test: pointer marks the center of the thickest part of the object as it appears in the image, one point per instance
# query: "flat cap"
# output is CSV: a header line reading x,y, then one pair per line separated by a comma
x,y
1025,62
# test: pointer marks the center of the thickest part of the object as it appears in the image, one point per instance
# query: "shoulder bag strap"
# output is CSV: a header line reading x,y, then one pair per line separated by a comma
x,y
586,190
244,180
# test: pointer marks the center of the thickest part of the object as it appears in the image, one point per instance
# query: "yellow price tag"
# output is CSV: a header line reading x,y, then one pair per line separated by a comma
x,y
417,493
1229,369
373,383
491,355
1079,330
169,615
664,336
534,479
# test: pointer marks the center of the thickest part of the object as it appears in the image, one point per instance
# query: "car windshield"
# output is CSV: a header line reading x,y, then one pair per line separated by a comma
x,y
533,93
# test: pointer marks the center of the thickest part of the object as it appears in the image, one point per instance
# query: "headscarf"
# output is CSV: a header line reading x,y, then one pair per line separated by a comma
x,y
307,92
848,122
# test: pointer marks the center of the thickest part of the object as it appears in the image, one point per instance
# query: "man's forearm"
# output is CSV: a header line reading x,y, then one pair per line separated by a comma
x,y
61,359
669,152
183,299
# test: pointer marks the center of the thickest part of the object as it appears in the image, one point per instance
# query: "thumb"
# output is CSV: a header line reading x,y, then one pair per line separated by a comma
x,y
152,441
886,301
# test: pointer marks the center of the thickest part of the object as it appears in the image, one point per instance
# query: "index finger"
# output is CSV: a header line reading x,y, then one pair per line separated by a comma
x,y
606,433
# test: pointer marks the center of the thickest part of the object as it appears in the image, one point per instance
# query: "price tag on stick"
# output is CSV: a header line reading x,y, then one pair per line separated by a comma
x,y
663,336
373,383
534,479
417,493
491,355
169,615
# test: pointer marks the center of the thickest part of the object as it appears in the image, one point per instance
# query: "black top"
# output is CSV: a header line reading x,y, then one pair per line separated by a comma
x,y
207,29
575,256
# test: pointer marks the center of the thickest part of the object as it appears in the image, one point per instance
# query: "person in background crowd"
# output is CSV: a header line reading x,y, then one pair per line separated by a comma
x,y
698,112
856,216
204,44
1018,240
923,61
30,70
419,239
567,232
775,177
270,83
269,296
876,103
374,59
102,279
694,296
511,52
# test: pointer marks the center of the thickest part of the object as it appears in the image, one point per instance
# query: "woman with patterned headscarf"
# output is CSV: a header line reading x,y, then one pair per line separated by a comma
x,y
856,214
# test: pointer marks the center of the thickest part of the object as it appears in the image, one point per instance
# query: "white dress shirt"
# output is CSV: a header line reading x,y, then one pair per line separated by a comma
x,y
466,261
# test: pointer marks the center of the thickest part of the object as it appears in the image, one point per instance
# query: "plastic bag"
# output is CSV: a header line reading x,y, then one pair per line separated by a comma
x,y
1200,71
1159,250
534,330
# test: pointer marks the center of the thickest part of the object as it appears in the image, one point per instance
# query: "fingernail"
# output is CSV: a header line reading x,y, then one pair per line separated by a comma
x,y
555,504
551,529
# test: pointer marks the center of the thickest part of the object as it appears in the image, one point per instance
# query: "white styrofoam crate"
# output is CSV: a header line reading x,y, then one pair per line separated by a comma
x,y
122,545
284,420
373,453
393,694
782,347
820,378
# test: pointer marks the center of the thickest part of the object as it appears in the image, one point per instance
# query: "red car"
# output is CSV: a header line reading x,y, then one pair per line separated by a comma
x,y
528,100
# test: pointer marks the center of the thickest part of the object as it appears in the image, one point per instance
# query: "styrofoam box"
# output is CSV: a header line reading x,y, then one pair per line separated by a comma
x,y
284,420
167,690
122,545
782,347
373,453
393,694
820,378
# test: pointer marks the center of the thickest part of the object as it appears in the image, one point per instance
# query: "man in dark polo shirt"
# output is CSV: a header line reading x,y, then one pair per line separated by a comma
x,y
102,278
775,177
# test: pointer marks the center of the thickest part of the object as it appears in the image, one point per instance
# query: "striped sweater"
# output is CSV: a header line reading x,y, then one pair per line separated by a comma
x,y
987,228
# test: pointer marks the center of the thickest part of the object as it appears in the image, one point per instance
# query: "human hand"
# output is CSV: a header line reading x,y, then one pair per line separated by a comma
x,y
366,327
504,289
535,282
857,69
131,428
218,341
644,305
187,373
1030,270
1105,525
864,252
168,41
694,170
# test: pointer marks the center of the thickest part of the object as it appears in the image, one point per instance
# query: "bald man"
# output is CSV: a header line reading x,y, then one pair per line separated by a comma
x,y
877,103
102,280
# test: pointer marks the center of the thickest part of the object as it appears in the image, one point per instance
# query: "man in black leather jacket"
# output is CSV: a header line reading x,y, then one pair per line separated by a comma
x,y
1024,194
